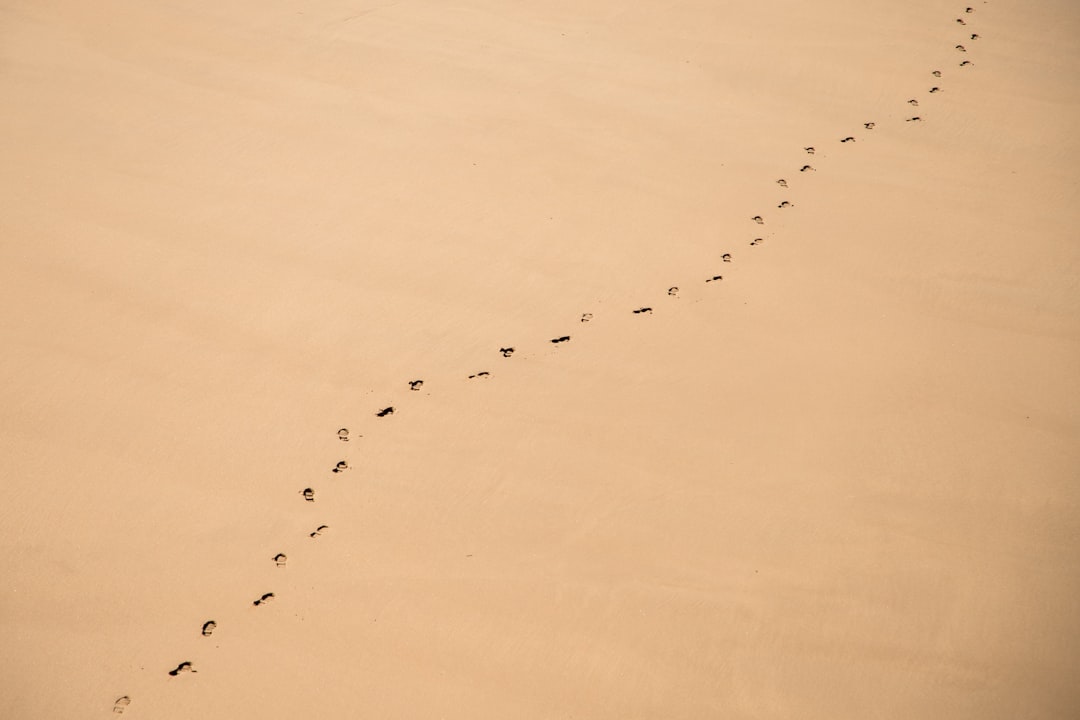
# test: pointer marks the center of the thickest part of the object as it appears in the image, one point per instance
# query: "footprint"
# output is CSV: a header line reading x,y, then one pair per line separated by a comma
x,y
714,278
913,102
961,48
757,241
121,704
586,317
416,384
758,220
343,434
385,411
868,126
319,531
280,559
785,204
969,10
341,467
506,352
183,667
936,73
935,89
782,182
974,36
309,494
483,374
263,599
805,168
848,139
673,291
965,63
208,628
961,21
641,310
809,150
564,338
726,257
915,118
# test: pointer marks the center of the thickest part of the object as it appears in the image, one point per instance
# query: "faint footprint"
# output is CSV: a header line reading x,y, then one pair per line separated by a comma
x,y
961,48
848,139
564,338
319,531
915,118
673,291
757,241
714,278
809,150
309,494
758,220
806,168
586,317
341,467
280,559
868,126
913,102
385,411
507,351
641,310
936,73
183,667
961,21
782,182
785,204
343,434
263,599
121,704
483,374
966,63
416,384
208,628
726,257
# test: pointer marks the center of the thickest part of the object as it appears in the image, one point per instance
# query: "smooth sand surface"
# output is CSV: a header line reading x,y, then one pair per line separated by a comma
x,y
841,482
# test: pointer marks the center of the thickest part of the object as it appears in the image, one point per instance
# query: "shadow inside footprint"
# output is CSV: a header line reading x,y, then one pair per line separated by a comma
x,y
868,126
641,310
506,351
936,73
483,374
714,278
319,531
309,494
757,241
121,704
343,434
586,317
263,599
965,63
961,48
758,219
208,628
782,182
564,338
974,36
673,291
785,204
806,168
809,150
935,89
416,384
280,559
183,667
726,257
385,411
848,139
913,102
914,118
341,467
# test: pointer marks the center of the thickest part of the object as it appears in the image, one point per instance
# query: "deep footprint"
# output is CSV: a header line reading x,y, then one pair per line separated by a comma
x,y
309,494
385,411
343,434
506,351
184,667
416,384
483,374
263,599
639,311
319,531
564,338
340,467
714,278
208,628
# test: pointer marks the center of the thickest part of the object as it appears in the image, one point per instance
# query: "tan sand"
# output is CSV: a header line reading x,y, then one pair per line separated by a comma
x,y
838,483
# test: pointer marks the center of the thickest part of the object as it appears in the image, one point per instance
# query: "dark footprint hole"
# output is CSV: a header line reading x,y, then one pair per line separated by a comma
x,y
385,411
343,434
483,374
319,531
506,352
280,559
714,278
915,118
868,126
961,21
309,494
564,338
806,168
974,36
726,257
263,599
182,668
757,241
208,628
416,384
758,219
965,63
341,467
961,48
641,310
969,10
848,139
935,89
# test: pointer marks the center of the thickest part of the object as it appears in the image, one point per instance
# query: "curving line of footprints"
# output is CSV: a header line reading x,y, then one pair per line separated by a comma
x,y
280,560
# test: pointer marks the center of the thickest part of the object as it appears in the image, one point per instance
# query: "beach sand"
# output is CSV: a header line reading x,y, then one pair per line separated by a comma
x,y
839,482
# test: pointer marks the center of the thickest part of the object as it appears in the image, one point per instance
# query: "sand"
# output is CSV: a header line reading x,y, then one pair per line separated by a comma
x,y
839,482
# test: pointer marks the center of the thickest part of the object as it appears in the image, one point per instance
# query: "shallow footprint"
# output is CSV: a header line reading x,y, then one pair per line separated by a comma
x,y
758,219
385,411
806,168
564,338
913,102
319,531
785,204
121,704
809,150
641,310
936,73
726,257
714,278
280,559
965,63
267,597
483,374
868,126
309,494
507,351
184,667
782,182
586,317
343,434
915,118
757,241
208,628
848,139
673,291
935,89
341,467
